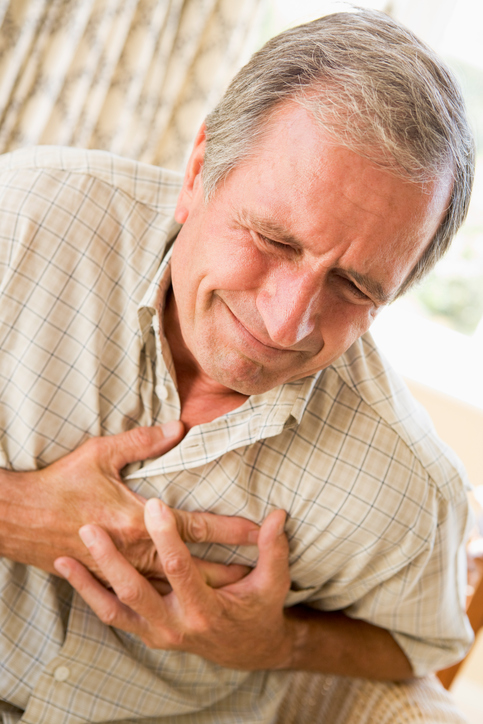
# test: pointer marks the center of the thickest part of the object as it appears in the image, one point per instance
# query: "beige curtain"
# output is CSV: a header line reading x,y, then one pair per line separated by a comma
x,y
135,77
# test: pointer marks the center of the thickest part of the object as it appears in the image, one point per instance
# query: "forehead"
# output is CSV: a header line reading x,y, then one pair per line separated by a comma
x,y
301,153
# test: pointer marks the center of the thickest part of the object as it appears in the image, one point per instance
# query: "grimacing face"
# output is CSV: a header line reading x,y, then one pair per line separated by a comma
x,y
294,256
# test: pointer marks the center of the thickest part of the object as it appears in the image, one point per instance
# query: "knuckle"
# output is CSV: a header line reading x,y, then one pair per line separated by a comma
x,y
108,615
141,436
102,557
201,625
175,639
129,595
197,529
177,566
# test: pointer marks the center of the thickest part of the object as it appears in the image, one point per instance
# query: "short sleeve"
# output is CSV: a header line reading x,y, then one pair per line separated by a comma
x,y
423,603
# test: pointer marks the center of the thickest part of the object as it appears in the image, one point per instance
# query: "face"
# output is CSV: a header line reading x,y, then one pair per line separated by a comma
x,y
294,256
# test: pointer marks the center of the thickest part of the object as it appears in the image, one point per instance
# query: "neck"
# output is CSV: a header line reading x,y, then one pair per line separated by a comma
x,y
202,398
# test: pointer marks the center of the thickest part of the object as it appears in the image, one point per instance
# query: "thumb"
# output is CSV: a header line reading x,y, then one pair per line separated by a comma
x,y
141,443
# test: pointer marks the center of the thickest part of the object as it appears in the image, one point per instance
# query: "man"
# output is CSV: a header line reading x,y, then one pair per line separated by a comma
x,y
331,176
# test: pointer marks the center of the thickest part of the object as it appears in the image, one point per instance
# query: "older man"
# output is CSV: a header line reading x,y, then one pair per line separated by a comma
x,y
332,175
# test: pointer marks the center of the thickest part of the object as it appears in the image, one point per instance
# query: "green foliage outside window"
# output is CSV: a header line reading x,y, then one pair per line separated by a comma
x,y
453,293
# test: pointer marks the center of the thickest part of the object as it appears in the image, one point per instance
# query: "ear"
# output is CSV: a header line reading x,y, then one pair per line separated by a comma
x,y
192,186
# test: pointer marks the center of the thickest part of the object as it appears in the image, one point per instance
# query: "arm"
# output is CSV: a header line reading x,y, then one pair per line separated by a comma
x,y
41,511
336,644
242,625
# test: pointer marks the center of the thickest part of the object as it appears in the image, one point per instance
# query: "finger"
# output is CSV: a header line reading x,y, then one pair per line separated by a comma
x,y
104,603
141,443
271,575
183,575
217,575
131,588
196,527
162,587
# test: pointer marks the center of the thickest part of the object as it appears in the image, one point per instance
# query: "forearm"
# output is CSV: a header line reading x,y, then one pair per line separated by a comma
x,y
19,517
333,643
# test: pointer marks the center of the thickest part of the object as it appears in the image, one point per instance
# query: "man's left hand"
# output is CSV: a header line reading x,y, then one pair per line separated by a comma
x,y
241,625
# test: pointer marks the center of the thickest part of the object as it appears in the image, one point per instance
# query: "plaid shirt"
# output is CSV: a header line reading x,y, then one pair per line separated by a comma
x,y
377,504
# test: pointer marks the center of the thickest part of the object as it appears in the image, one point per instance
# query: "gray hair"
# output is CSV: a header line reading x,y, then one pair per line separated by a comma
x,y
374,87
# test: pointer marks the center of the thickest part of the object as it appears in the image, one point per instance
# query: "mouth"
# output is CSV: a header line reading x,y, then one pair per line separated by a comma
x,y
255,341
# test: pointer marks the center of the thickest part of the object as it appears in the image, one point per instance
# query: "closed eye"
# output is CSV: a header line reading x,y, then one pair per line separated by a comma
x,y
278,245
353,289
271,242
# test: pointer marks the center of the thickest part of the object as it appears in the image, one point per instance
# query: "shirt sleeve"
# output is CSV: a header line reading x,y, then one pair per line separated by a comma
x,y
385,514
420,602
423,604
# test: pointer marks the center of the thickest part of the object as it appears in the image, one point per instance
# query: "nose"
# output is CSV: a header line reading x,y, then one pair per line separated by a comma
x,y
289,304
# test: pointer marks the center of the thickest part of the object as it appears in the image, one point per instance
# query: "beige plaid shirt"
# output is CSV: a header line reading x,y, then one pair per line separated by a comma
x,y
377,507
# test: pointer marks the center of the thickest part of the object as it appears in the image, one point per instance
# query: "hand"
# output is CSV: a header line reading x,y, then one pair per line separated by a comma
x,y
241,625
41,511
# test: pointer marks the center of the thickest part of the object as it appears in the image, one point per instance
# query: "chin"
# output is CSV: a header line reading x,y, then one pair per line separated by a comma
x,y
245,377
248,385
249,388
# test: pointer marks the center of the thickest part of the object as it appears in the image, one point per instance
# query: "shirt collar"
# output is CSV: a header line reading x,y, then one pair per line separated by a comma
x,y
155,292
260,417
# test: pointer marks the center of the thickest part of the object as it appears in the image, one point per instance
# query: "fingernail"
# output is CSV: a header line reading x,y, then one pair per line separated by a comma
x,y
62,567
87,535
171,428
154,510
253,536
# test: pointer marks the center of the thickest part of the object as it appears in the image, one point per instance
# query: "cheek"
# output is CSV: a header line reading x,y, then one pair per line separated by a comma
x,y
344,325
234,263
243,268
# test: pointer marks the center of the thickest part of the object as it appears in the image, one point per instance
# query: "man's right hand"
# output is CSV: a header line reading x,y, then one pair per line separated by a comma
x,y
42,511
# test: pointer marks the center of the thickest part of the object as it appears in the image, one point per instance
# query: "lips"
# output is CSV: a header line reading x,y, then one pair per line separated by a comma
x,y
258,338
260,342
257,341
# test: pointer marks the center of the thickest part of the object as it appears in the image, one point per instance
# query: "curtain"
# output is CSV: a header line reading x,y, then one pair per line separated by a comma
x,y
135,77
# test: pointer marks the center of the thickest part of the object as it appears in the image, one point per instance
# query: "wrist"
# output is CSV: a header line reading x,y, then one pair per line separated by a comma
x,y
296,635
17,514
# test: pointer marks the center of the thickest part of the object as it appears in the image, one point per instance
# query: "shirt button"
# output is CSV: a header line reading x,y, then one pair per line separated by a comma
x,y
61,673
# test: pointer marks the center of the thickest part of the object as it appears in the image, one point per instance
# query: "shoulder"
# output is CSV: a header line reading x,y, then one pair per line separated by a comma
x,y
369,403
153,185
83,210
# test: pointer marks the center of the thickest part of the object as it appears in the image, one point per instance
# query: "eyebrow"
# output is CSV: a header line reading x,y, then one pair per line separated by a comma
x,y
272,229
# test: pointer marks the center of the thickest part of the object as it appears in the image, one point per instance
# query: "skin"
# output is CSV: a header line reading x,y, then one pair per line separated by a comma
x,y
41,511
273,279
291,261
